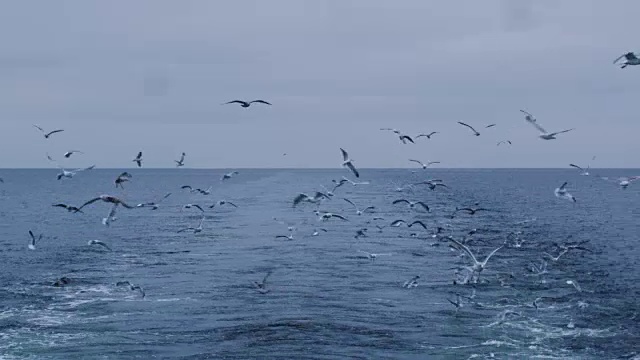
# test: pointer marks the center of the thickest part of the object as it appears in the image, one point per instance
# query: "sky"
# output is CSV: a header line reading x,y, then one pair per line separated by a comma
x,y
124,76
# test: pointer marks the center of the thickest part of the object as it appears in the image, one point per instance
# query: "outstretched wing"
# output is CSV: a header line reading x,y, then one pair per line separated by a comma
x,y
54,131
299,198
416,161
345,154
418,222
560,132
38,127
235,101
259,101
339,217
353,170
425,206
88,203
350,202
400,201
467,125
533,122
576,166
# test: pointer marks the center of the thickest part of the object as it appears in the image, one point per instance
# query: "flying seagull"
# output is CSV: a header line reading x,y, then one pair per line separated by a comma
x,y
131,287
71,152
138,159
544,135
195,230
457,303
428,136
100,243
223,202
471,211
261,286
122,178
312,199
32,244
327,215
154,205
71,173
358,211
107,199
562,192
418,222
433,183
246,104
229,175
180,163
68,207
373,256
411,283
489,126
189,206
47,134
412,204
355,183
504,142
346,161
584,172
470,127
477,266
424,166
631,59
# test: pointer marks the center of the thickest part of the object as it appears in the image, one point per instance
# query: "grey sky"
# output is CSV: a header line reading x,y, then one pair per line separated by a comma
x,y
123,76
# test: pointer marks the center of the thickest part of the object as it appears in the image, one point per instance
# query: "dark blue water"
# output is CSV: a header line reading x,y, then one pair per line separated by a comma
x,y
325,298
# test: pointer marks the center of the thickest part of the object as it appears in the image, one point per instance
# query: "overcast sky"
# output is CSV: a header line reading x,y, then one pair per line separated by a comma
x,y
124,76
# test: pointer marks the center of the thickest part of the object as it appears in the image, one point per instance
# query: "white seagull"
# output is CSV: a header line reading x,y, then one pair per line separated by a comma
x,y
424,166
138,159
372,256
154,205
562,192
71,173
223,202
631,59
477,266
180,163
543,133
312,199
324,216
108,199
354,183
32,244
347,162
584,172
358,211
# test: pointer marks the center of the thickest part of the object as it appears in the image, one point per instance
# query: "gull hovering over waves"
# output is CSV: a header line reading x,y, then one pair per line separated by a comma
x,y
428,136
424,166
138,159
471,211
71,173
229,175
261,287
418,222
223,202
626,181
189,206
411,283
504,142
180,163
47,134
98,242
575,285
317,231
32,244
312,199
477,266
108,199
131,287
337,184
195,230
397,223
562,192
347,162
544,135
122,178
154,205
358,211
433,183
457,303
204,192
372,256
584,172
71,152
412,204
327,215
470,127
246,104
631,59
68,207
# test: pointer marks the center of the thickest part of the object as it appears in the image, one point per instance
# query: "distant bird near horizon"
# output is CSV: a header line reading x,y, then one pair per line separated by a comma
x,y
504,142
423,165
71,152
47,134
544,134
180,163
347,162
246,104
71,173
229,175
470,127
428,136
489,126
631,59
138,159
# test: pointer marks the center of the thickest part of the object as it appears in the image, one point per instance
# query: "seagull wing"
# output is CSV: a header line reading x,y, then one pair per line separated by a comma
x,y
232,204
490,255
400,201
397,222
560,132
464,248
198,207
369,208
299,198
353,169
490,125
260,101
33,237
417,162
563,185
38,127
264,280
535,124
614,61
345,154
89,203
406,137
339,217
236,101
53,132
576,166
350,202
467,125
425,206
418,222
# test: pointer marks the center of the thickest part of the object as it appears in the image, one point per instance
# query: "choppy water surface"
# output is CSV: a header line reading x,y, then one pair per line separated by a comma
x,y
325,298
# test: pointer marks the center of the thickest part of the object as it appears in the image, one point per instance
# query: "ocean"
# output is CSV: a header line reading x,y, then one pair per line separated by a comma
x,y
325,298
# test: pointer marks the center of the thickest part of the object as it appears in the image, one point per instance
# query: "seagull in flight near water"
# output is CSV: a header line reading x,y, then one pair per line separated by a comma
x,y
428,136
470,127
180,163
47,134
71,152
412,204
562,192
631,59
154,205
424,166
32,244
477,266
358,211
229,175
138,159
98,242
346,161
544,134
71,173
246,104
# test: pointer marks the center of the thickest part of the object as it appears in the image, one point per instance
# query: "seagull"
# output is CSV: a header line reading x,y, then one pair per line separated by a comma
x,y
428,136
261,287
71,152
138,159
433,183
288,237
404,138
124,177
246,104
457,303
98,242
358,211
412,204
361,233
229,175
418,222
631,59
68,207
317,231
471,211
189,206
584,172
624,181
504,142
562,192
424,166
204,192
477,266
411,283
372,256
183,187
180,163
489,126
397,223
528,116
544,135
312,199
346,161
556,258
196,229
47,134
327,215
108,199
223,202
337,184
154,205
32,244
71,173
575,285
470,127
131,287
